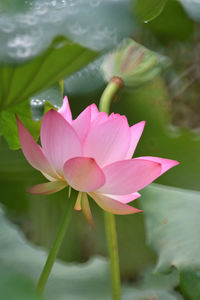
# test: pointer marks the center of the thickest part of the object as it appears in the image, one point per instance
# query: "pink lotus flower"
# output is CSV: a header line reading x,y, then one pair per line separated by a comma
x,y
93,155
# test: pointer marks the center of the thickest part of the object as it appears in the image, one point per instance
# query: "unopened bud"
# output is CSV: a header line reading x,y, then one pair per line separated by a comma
x,y
133,63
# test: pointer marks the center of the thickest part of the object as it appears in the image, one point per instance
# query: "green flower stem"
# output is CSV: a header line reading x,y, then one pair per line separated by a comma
x,y
55,247
109,93
111,234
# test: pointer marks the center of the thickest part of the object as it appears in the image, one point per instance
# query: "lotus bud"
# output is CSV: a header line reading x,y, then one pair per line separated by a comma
x,y
133,63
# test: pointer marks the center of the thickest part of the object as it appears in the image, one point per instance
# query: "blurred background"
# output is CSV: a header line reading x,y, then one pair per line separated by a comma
x,y
35,33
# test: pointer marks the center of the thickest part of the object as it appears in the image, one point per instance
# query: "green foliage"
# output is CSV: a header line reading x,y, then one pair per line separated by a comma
x,y
77,282
29,27
159,287
148,10
61,59
8,6
172,222
15,286
171,214
189,283
9,125
30,114
193,8
172,219
172,24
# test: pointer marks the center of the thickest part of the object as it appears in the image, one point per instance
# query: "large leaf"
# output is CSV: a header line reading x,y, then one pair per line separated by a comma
x,y
15,286
61,59
22,263
28,27
88,79
159,287
148,10
189,283
89,281
192,7
172,222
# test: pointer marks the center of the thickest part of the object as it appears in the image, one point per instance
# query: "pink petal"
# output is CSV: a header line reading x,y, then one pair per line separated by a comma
x,y
114,116
128,176
136,132
124,198
113,206
86,209
65,110
59,140
166,164
49,177
33,152
100,118
82,123
83,174
108,142
94,111
48,187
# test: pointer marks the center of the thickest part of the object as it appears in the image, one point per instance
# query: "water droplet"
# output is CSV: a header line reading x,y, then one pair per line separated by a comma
x,y
37,108
37,102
